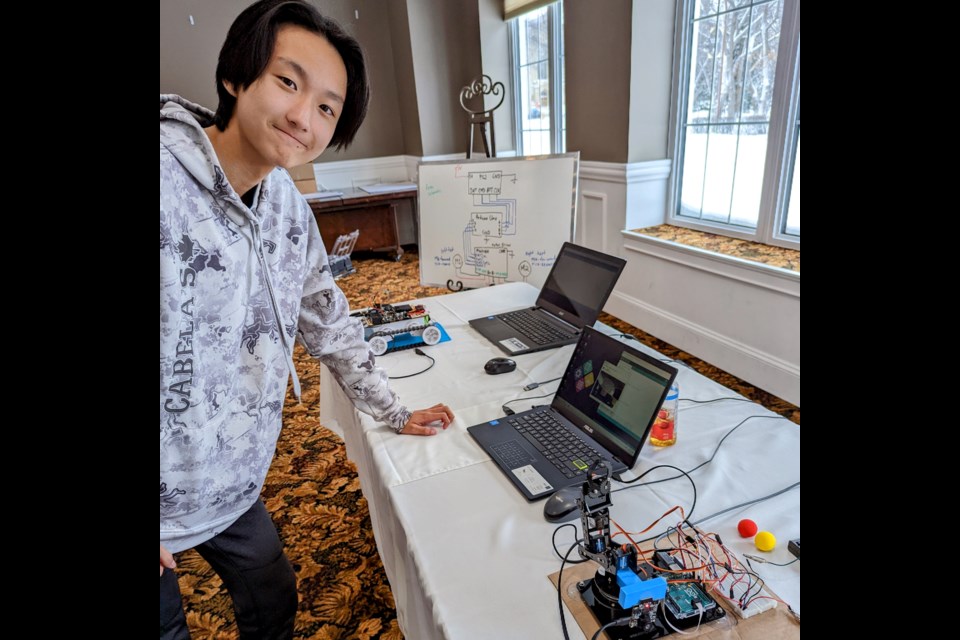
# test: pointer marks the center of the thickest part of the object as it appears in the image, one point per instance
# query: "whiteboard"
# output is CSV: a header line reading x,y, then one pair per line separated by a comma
x,y
495,220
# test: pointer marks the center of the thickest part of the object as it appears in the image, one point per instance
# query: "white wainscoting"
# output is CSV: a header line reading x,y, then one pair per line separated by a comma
x,y
592,219
741,316
636,196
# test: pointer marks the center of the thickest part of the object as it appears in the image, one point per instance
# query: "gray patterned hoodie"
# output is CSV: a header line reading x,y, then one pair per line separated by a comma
x,y
237,285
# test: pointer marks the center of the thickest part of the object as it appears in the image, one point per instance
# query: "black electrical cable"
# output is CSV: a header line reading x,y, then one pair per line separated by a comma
x,y
783,564
569,524
728,509
778,564
563,621
727,435
663,466
534,385
754,582
734,398
747,504
419,353
507,410
613,623
702,464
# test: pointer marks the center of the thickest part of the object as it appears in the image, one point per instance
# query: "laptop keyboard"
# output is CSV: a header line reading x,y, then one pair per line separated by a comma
x,y
565,450
540,331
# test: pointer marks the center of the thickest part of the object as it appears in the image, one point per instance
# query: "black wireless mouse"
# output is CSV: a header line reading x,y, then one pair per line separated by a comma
x,y
499,365
562,505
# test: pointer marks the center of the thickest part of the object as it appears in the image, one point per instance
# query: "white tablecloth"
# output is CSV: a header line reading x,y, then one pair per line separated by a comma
x,y
466,555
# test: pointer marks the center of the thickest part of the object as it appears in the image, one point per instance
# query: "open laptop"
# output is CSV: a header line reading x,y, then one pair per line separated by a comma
x,y
607,402
575,291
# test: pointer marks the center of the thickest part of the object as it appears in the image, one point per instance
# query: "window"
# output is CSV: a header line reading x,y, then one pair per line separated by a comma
x,y
538,80
737,143
791,221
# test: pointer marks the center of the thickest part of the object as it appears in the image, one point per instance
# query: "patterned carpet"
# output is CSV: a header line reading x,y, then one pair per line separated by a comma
x,y
765,253
313,494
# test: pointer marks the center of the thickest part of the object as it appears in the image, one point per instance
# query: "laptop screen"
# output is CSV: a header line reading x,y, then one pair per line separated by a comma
x,y
613,392
579,284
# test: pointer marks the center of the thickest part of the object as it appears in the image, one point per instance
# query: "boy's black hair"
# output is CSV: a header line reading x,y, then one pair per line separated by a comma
x,y
250,43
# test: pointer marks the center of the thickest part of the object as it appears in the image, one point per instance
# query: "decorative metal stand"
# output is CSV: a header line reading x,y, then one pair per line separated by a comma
x,y
481,87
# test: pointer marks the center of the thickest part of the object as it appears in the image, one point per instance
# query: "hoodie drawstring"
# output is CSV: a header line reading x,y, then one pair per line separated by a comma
x,y
287,347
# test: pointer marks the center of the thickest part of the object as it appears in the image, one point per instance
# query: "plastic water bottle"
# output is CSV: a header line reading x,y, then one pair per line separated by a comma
x,y
664,431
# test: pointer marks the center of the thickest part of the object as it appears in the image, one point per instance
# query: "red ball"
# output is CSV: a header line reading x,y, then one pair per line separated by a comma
x,y
747,528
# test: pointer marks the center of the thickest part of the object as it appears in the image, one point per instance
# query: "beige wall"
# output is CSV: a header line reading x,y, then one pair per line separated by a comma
x,y
619,66
445,40
382,132
651,78
597,51
403,71
188,53
495,57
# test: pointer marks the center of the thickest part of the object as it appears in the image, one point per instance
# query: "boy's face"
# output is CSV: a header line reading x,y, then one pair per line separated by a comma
x,y
288,115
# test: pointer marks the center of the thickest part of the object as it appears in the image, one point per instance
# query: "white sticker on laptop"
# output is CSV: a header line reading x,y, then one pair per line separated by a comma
x,y
513,344
532,479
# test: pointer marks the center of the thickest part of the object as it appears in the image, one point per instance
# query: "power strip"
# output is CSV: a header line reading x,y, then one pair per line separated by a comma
x,y
794,547
740,587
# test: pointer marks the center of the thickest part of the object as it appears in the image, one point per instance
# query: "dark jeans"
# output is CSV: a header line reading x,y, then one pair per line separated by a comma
x,y
249,559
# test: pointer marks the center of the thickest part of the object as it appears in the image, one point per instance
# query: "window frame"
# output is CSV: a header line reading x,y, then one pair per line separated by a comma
x,y
781,141
554,71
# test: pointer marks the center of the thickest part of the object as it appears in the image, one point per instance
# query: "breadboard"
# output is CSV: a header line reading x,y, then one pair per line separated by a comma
x,y
758,605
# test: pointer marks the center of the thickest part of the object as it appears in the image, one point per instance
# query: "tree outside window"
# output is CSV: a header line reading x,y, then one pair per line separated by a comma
x,y
738,140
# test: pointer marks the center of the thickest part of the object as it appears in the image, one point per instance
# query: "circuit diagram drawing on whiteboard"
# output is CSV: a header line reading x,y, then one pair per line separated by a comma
x,y
495,220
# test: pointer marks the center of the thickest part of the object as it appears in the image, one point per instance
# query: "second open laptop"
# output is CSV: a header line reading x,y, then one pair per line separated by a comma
x,y
572,297
607,402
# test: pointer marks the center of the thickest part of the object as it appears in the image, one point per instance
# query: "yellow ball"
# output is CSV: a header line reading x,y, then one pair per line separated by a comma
x,y
765,541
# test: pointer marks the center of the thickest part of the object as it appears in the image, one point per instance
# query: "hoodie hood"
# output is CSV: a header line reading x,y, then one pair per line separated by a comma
x,y
181,132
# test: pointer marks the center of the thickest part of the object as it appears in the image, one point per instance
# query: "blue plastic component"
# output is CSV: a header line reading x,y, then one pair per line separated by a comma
x,y
408,340
634,590
494,422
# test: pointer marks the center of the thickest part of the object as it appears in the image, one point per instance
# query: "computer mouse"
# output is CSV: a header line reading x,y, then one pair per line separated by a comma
x,y
499,365
562,505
